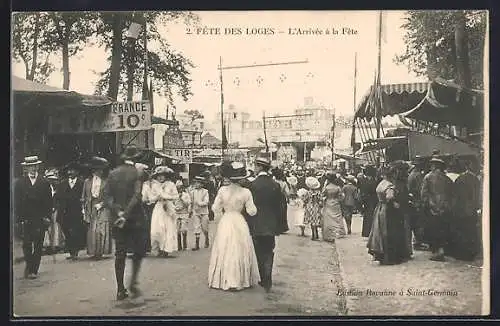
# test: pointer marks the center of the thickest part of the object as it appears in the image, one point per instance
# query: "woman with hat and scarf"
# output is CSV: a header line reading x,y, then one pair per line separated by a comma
x,y
313,203
163,221
96,215
54,237
387,240
233,262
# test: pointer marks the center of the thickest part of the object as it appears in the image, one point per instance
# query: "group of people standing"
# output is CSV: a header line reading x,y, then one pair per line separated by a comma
x,y
423,209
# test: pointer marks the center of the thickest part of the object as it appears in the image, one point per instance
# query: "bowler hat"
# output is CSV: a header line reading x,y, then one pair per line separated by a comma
x,y
97,162
31,160
130,152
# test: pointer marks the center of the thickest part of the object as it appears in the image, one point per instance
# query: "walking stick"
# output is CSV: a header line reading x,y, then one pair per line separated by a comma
x,y
53,240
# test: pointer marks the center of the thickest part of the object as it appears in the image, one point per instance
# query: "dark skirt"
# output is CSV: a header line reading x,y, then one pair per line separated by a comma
x,y
387,240
368,212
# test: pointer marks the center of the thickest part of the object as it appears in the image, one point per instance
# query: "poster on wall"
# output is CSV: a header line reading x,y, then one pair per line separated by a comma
x,y
119,116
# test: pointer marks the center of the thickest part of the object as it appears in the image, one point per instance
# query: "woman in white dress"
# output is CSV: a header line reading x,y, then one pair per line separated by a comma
x,y
163,193
233,263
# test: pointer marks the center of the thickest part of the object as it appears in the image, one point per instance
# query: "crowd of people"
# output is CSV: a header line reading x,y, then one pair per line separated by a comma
x,y
405,207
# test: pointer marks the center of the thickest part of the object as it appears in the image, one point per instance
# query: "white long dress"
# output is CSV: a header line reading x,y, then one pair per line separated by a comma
x,y
163,219
233,263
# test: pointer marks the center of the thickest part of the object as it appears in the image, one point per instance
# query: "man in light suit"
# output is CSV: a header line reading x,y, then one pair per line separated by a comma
x,y
123,195
265,225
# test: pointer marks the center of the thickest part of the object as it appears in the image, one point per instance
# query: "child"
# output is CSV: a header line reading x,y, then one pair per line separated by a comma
x,y
182,210
296,211
199,211
313,203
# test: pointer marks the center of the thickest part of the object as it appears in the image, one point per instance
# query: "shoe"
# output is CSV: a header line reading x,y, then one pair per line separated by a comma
x,y
32,276
134,290
195,249
122,295
261,284
437,258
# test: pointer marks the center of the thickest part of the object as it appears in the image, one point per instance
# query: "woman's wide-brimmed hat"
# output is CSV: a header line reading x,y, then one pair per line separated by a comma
x,y
162,170
312,183
262,161
131,152
238,171
98,163
31,160
292,180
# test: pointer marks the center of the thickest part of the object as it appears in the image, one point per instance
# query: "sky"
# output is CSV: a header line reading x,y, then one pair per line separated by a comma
x,y
328,76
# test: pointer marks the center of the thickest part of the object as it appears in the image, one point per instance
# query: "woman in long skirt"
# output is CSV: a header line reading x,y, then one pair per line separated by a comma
x,y
54,237
368,199
163,220
333,223
313,202
95,213
233,262
387,240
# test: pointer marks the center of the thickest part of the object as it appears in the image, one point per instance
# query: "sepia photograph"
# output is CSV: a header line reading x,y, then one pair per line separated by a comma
x,y
249,164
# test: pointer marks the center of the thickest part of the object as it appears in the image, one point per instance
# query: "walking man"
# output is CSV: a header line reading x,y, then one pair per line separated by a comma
x,y
265,225
415,179
350,194
33,209
436,196
122,195
71,206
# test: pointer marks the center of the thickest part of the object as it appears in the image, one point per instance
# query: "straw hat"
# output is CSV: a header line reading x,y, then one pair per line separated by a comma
x,y
436,160
292,180
162,170
312,183
199,178
51,174
31,160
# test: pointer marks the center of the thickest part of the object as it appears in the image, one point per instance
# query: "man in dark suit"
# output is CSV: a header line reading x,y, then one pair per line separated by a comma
x,y
70,193
266,224
122,195
32,209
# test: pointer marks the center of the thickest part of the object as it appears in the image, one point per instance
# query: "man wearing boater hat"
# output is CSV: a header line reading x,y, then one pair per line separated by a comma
x,y
266,224
123,195
32,209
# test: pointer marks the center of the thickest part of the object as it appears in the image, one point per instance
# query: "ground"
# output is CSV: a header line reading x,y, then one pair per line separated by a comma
x,y
360,272
306,278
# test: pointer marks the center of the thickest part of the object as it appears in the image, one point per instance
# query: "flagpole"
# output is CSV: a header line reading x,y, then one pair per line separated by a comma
x,y
222,108
379,63
354,101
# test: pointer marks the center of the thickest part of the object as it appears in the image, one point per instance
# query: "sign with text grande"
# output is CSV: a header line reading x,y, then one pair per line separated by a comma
x,y
120,116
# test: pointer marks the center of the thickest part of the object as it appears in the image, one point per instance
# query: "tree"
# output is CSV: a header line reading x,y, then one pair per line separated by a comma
x,y
194,115
69,33
431,44
168,68
28,38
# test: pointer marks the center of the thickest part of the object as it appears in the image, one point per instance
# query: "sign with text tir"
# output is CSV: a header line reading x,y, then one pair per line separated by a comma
x,y
120,116
183,155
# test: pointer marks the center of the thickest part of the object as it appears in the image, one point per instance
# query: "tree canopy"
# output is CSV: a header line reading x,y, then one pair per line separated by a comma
x,y
431,47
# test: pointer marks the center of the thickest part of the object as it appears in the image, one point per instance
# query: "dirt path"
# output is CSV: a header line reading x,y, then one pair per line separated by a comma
x,y
306,277
462,280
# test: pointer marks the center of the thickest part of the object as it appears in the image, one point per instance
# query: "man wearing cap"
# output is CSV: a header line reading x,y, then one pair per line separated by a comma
x,y
436,196
70,201
266,224
32,209
122,195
